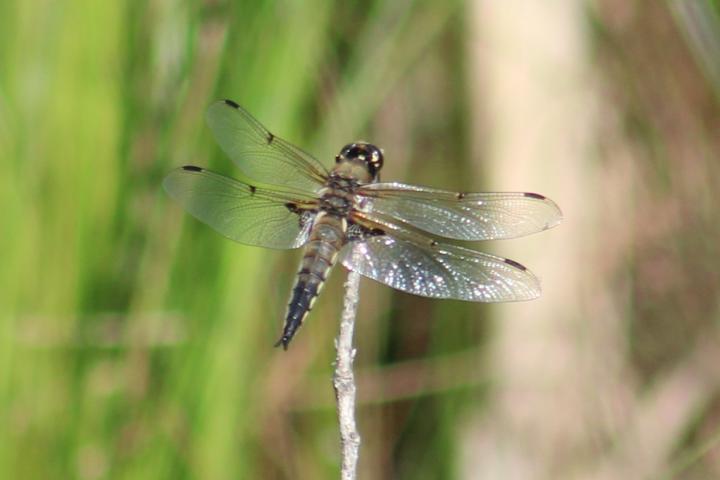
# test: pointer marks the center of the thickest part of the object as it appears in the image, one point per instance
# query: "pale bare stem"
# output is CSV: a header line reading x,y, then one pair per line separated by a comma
x,y
344,380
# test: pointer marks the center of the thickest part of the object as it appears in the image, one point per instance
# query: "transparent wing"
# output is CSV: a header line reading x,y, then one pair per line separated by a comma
x,y
242,212
406,260
462,216
261,155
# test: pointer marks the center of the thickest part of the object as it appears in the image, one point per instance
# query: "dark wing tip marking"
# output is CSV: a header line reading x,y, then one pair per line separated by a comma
x,y
192,168
231,103
535,195
515,264
253,188
270,138
460,195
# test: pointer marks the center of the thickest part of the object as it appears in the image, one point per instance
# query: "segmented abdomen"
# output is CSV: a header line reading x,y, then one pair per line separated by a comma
x,y
326,238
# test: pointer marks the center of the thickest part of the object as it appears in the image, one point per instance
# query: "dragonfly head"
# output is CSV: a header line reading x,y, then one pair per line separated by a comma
x,y
362,160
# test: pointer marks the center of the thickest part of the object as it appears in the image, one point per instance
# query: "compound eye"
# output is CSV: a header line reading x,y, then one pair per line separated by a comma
x,y
376,160
350,152
357,153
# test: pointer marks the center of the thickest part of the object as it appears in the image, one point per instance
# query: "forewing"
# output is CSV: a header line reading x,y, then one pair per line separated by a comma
x,y
408,261
242,212
261,155
462,216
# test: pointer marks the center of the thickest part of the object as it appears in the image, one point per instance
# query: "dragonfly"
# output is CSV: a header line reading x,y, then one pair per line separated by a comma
x,y
404,236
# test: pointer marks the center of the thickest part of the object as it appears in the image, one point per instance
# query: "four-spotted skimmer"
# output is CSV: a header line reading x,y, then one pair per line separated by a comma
x,y
389,232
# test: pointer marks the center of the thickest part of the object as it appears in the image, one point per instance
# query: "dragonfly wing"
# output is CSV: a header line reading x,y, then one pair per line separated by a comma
x,y
240,211
411,262
261,155
462,216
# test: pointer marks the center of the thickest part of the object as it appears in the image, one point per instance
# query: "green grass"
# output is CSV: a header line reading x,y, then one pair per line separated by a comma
x,y
135,342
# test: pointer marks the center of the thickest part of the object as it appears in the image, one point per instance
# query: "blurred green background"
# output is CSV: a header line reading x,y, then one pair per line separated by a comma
x,y
137,343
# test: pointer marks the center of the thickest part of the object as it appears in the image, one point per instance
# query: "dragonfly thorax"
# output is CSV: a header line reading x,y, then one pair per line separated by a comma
x,y
337,198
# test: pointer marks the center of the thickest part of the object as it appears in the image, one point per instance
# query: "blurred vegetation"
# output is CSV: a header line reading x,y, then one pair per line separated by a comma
x,y
136,343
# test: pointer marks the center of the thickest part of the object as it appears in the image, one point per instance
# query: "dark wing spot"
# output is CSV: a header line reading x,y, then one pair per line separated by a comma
x,y
515,264
534,195
292,207
433,243
192,168
460,195
232,104
357,232
270,138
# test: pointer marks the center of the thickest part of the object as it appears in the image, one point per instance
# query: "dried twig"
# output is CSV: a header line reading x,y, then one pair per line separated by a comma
x,y
344,380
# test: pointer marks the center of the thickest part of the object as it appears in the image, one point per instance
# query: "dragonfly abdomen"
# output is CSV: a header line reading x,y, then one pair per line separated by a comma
x,y
326,238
